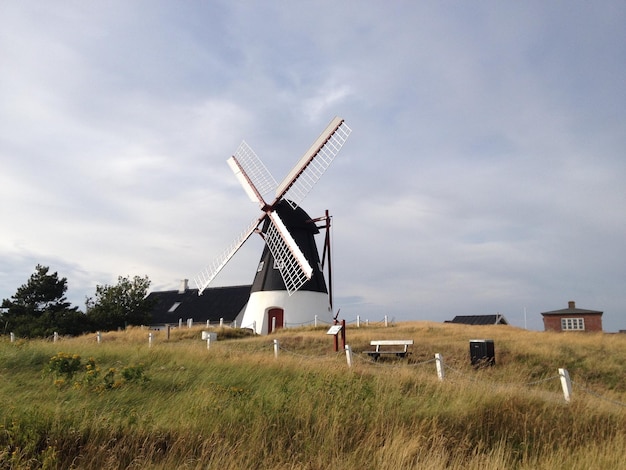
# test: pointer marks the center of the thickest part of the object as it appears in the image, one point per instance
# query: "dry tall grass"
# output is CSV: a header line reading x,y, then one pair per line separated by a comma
x,y
236,406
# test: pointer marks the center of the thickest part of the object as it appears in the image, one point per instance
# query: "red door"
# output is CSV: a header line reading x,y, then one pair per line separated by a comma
x,y
275,319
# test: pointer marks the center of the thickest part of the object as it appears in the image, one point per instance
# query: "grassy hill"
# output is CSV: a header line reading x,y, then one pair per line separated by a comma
x,y
122,404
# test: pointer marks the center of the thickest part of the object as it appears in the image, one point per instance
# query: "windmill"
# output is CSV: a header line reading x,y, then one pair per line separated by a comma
x,y
289,285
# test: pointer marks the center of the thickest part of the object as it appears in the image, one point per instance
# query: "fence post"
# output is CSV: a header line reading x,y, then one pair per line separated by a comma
x,y
276,348
439,362
566,384
180,323
221,322
56,337
315,322
358,321
13,337
349,355
98,337
150,336
386,322
208,323
167,332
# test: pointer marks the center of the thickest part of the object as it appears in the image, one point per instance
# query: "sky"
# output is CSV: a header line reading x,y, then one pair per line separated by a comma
x,y
485,172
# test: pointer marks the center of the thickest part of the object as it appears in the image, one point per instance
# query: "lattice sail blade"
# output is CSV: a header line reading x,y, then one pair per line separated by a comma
x,y
293,266
203,279
313,163
251,173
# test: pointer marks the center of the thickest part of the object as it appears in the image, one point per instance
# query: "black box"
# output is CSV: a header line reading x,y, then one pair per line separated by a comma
x,y
482,352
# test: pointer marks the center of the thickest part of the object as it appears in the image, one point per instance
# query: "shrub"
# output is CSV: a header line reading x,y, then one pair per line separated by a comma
x,y
134,374
64,366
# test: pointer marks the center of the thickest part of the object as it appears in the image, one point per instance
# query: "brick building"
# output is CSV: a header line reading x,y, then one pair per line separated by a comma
x,y
572,319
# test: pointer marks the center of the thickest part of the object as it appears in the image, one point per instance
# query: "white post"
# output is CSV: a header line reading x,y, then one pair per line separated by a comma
x,y
13,337
566,384
439,362
221,322
235,324
98,337
349,355
180,323
315,321
56,337
189,322
276,348
358,321
273,323
150,340
210,338
367,322
208,324
386,322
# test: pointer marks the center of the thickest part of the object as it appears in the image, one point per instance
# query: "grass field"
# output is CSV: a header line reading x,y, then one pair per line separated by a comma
x,y
121,404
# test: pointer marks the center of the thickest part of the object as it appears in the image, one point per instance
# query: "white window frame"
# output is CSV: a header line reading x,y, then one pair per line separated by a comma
x,y
572,324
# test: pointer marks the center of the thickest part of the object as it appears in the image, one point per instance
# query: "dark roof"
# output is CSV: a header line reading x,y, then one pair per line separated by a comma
x,y
573,310
480,319
214,304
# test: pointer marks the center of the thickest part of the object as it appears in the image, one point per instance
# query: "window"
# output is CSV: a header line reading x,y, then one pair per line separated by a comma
x,y
173,307
572,324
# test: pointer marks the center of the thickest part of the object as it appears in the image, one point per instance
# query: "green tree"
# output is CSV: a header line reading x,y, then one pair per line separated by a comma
x,y
120,305
39,307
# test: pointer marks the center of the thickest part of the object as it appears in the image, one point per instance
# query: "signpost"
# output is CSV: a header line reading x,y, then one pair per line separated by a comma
x,y
335,330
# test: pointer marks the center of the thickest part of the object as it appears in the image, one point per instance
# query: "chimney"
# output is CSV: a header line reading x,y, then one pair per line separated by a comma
x,y
184,285
571,304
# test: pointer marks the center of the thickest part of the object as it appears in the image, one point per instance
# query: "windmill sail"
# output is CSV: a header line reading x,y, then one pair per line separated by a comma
x,y
203,279
251,173
293,266
313,163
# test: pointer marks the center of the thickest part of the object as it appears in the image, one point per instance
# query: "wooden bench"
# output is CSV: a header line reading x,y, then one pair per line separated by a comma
x,y
389,342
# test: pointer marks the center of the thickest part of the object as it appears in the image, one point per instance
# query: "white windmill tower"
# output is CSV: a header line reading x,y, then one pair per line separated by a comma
x,y
289,286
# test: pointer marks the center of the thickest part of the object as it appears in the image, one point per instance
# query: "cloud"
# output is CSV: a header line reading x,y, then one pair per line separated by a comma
x,y
484,172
